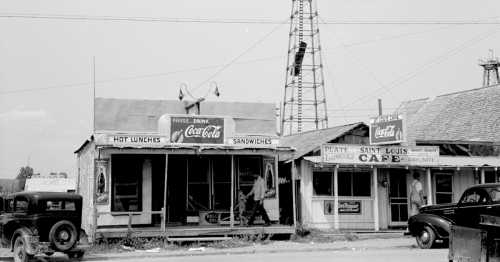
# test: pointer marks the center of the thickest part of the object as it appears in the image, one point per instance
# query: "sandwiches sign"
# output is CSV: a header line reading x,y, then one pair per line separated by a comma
x,y
196,130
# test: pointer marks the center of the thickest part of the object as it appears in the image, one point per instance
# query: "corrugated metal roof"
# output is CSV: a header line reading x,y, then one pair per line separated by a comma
x,y
468,116
134,115
306,142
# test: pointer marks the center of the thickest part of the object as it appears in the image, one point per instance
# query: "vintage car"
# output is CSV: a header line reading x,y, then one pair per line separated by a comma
x,y
434,221
34,223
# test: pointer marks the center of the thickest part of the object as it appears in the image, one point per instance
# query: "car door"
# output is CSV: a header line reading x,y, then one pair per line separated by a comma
x,y
474,202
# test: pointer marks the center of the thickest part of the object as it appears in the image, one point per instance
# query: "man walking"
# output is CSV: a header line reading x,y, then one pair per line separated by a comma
x,y
416,194
258,191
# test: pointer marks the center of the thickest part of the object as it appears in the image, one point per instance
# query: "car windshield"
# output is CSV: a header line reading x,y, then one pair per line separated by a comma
x,y
494,193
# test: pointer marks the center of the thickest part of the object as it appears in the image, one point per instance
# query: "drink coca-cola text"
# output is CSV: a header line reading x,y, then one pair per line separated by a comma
x,y
210,131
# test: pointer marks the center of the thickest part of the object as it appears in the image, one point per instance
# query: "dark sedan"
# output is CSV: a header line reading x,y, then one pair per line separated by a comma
x,y
434,221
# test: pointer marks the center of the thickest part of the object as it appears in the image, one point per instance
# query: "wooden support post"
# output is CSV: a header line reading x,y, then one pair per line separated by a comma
x,y
483,176
129,226
430,200
165,209
231,211
375,200
293,195
336,222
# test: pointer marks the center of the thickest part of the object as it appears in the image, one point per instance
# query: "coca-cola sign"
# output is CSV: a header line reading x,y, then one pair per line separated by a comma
x,y
386,129
196,130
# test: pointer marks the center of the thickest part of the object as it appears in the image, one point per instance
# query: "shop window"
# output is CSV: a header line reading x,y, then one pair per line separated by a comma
x,y
350,183
354,183
323,183
127,183
198,184
444,188
490,176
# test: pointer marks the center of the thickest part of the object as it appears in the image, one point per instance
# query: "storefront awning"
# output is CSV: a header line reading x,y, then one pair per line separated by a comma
x,y
443,161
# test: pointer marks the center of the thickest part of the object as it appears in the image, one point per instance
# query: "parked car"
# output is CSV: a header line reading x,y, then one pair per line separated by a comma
x,y
32,223
434,221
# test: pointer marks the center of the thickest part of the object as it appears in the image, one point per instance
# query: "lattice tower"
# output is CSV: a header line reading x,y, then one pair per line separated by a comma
x,y
304,103
490,72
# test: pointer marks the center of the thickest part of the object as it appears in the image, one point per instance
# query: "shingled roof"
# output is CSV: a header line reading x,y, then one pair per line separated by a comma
x,y
471,116
134,115
306,142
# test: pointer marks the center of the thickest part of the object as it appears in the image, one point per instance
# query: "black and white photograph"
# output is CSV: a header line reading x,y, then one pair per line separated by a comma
x,y
264,130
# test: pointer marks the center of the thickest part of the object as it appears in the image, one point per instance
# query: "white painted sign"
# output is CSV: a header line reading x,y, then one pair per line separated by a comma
x,y
137,140
253,141
379,155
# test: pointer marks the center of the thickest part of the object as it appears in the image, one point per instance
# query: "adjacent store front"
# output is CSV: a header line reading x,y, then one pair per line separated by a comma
x,y
183,179
363,187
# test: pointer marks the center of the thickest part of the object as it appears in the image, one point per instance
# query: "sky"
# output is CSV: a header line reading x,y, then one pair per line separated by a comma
x,y
46,64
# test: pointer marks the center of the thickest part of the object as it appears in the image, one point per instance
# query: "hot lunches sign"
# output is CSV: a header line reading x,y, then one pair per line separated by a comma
x,y
196,130
379,155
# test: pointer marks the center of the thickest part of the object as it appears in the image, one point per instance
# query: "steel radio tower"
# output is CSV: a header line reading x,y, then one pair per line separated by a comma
x,y
304,102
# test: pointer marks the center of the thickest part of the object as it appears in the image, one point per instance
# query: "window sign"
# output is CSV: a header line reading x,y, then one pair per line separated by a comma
x,y
349,207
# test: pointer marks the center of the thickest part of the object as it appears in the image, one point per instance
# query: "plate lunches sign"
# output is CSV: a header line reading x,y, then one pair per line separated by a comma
x,y
379,155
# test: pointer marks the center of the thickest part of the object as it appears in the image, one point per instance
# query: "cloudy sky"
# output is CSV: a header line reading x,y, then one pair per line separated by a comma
x,y
45,64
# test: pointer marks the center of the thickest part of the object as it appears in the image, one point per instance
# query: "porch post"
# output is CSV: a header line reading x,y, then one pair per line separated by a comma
x,y
336,197
165,210
429,186
483,176
293,195
375,200
231,212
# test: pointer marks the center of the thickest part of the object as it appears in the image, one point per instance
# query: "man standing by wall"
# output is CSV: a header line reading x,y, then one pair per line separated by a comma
x,y
258,191
416,194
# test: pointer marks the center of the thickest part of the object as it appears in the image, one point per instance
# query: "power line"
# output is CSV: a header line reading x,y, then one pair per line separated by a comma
x,y
81,84
66,17
250,48
434,61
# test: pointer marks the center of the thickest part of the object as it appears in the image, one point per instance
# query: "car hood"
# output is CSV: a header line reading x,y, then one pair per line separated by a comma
x,y
437,208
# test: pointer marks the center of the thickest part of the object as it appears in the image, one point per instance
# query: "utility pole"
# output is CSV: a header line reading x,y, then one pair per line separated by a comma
x,y
304,102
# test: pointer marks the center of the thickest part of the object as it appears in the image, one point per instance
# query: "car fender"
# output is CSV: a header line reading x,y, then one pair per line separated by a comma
x,y
440,225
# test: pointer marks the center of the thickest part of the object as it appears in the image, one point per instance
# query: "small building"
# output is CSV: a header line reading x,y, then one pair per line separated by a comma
x,y
452,142
152,168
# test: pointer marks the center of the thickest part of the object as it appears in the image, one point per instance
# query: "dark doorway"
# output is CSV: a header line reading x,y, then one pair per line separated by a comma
x,y
176,189
398,197
285,193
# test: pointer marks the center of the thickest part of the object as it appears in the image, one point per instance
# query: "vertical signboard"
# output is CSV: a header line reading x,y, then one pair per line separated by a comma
x,y
387,129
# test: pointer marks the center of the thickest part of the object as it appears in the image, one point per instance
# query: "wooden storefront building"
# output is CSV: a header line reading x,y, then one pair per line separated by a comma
x,y
452,142
152,169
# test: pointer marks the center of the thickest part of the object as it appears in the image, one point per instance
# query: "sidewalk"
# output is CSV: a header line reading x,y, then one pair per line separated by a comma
x,y
272,247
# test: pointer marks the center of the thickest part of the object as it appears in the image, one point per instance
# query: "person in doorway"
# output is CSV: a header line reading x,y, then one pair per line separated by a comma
x,y
416,194
258,191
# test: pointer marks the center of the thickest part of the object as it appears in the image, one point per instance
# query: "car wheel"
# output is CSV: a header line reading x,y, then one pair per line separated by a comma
x,y
20,254
63,235
426,237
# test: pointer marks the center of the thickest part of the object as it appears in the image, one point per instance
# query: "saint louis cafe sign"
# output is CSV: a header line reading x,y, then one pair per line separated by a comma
x,y
379,155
